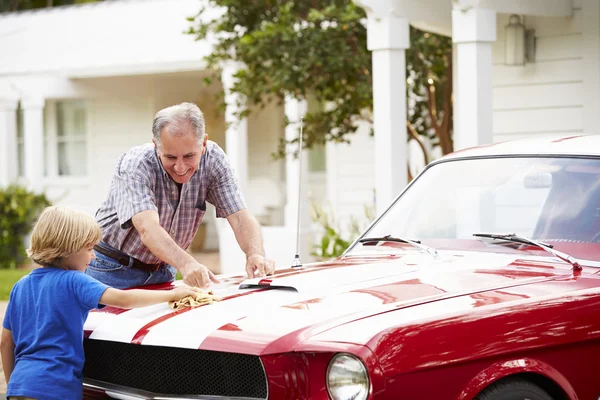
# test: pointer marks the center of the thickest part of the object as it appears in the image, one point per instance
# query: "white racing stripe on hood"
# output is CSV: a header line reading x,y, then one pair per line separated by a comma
x,y
194,326
327,278
190,329
123,327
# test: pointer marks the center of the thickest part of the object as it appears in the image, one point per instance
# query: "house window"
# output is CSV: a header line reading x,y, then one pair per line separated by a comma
x,y
66,142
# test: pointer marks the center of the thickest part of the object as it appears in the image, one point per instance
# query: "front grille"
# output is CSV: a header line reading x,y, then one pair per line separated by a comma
x,y
176,371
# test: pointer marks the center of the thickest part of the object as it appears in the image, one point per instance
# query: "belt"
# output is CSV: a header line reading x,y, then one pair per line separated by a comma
x,y
124,259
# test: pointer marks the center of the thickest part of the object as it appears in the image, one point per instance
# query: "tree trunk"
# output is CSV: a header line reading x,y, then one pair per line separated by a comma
x,y
446,125
413,133
442,128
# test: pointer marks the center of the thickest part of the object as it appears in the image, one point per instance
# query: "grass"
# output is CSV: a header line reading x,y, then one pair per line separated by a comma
x,y
8,277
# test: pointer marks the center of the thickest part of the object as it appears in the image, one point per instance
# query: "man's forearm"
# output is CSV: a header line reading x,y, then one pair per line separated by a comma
x,y
158,241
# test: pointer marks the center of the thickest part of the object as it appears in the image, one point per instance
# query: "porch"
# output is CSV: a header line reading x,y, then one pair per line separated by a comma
x,y
67,115
520,68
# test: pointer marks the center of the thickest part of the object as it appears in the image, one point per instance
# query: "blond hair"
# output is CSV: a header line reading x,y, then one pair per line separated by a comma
x,y
61,231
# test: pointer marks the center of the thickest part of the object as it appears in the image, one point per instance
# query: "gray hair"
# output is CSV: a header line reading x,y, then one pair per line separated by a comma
x,y
176,118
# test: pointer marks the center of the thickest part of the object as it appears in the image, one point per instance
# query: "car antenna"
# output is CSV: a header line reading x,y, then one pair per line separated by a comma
x,y
297,263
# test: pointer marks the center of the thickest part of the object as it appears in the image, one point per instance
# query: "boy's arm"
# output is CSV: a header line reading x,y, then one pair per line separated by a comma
x,y
7,348
141,297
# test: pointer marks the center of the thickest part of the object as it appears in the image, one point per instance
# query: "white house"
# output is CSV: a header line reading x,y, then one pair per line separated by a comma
x,y
496,96
79,85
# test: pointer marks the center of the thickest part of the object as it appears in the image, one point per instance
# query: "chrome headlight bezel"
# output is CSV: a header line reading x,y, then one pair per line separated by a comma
x,y
352,358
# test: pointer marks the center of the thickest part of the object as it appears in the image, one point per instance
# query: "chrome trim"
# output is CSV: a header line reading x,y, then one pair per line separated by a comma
x,y
136,394
265,375
332,359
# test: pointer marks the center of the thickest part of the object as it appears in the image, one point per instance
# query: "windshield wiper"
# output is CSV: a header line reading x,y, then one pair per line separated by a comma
x,y
390,238
513,237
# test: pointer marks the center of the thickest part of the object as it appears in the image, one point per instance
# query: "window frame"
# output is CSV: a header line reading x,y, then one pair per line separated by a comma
x,y
51,142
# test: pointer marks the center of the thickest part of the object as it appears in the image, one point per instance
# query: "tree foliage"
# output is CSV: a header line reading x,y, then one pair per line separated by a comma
x,y
19,209
301,48
318,48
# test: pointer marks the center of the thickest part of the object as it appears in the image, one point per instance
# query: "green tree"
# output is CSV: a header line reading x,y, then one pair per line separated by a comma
x,y
19,209
318,49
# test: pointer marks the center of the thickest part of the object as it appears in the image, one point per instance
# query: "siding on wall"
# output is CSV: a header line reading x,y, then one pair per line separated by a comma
x,y
266,192
543,98
115,126
265,128
351,175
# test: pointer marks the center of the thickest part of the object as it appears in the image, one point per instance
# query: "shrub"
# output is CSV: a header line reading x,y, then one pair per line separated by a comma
x,y
19,209
333,240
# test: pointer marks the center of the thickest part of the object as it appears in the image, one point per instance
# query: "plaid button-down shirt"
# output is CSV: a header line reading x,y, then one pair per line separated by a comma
x,y
140,183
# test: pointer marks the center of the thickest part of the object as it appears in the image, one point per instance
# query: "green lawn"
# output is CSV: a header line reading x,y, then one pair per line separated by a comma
x,y
8,277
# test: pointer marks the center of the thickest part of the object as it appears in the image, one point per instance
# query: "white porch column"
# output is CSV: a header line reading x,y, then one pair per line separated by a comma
x,y
591,65
8,141
387,38
473,32
236,135
294,110
33,136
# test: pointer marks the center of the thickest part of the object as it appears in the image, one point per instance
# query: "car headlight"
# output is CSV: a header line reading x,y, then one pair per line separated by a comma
x,y
347,378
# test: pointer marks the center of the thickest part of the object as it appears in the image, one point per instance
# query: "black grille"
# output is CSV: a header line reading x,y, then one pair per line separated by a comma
x,y
167,370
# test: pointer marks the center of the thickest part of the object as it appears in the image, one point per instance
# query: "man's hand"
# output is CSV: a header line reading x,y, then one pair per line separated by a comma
x,y
258,265
198,275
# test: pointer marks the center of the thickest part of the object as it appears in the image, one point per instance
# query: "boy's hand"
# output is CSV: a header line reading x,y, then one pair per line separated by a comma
x,y
183,291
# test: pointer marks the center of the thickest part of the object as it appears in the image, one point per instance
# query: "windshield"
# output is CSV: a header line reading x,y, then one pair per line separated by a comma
x,y
554,200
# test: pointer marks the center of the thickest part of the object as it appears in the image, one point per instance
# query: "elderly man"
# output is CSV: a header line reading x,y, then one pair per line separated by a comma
x,y
157,199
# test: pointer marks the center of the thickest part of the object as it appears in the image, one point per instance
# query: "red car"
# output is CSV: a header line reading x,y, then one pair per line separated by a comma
x,y
480,281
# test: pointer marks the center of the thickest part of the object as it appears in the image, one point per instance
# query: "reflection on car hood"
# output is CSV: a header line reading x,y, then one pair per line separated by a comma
x,y
277,313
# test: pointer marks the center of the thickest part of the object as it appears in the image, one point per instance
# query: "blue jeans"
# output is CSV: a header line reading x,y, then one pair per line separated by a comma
x,y
112,273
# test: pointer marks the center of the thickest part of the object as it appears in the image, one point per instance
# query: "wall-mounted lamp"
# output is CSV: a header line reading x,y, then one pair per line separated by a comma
x,y
519,44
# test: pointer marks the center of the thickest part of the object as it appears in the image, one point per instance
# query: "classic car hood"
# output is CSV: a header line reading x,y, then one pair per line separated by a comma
x,y
277,313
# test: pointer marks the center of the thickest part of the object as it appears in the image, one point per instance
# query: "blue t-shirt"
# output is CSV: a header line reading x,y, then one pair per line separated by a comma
x,y
46,312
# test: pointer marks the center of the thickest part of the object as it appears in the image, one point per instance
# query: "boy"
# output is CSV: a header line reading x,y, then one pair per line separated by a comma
x,y
42,335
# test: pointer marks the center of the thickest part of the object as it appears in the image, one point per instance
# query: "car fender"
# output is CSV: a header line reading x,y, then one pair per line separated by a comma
x,y
511,367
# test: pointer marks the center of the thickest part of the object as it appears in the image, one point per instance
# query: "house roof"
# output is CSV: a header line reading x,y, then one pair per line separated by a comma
x,y
102,39
581,145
